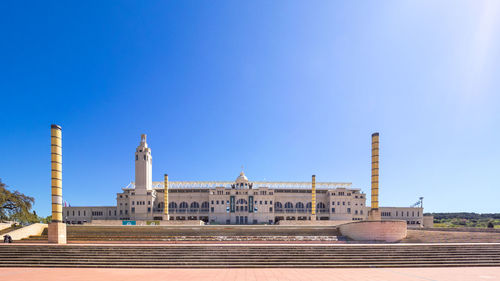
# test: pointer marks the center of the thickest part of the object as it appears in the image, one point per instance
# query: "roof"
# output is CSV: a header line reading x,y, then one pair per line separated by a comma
x,y
256,184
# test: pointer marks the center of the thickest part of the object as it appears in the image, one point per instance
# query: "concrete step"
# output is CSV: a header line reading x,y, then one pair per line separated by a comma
x,y
249,256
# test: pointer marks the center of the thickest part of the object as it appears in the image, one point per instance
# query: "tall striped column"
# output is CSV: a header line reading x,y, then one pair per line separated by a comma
x,y
165,199
375,170
313,199
57,229
56,166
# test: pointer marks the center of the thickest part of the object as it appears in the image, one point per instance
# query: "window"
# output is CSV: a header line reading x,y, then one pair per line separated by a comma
x,y
136,157
361,212
78,213
348,210
126,212
133,210
149,202
333,210
343,203
338,203
212,209
132,203
300,207
144,156
149,210
121,212
271,209
356,212
73,213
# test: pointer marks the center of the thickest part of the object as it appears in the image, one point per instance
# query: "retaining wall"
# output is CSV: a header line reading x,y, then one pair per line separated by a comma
x,y
27,231
313,223
145,223
5,225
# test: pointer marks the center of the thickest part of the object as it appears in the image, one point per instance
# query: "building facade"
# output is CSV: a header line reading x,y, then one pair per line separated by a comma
x,y
239,202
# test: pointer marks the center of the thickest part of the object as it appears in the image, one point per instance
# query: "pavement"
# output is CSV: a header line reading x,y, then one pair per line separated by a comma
x,y
264,274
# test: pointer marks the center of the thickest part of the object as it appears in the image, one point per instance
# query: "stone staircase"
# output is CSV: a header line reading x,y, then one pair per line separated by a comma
x,y
112,234
249,256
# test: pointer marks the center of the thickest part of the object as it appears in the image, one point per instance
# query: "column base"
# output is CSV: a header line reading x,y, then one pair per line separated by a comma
x,y
57,233
313,217
166,217
374,215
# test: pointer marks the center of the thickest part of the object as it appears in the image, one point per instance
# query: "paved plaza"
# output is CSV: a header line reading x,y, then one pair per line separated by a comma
x,y
264,274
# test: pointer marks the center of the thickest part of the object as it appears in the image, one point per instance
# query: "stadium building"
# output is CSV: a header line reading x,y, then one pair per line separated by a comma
x,y
239,202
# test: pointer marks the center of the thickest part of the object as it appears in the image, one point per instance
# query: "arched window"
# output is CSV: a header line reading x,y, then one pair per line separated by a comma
x,y
320,207
278,207
183,207
172,207
309,207
204,206
289,207
241,201
195,206
300,207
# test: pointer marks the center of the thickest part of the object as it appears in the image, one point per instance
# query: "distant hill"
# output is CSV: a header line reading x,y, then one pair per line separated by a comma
x,y
464,215
465,219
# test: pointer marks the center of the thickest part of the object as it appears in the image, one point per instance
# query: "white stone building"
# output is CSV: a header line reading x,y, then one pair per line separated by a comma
x,y
239,202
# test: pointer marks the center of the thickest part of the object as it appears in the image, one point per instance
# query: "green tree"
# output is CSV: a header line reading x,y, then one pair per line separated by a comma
x,y
46,219
16,206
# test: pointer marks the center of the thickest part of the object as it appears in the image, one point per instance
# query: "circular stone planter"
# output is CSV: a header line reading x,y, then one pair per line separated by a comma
x,y
386,231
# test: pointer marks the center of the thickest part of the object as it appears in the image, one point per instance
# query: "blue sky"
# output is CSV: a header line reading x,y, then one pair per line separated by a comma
x,y
286,88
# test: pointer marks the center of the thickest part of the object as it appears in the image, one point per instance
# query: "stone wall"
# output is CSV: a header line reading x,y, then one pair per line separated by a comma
x,y
145,223
387,231
27,231
5,225
314,222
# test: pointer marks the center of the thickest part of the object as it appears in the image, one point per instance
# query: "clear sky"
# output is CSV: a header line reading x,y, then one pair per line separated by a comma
x,y
286,88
